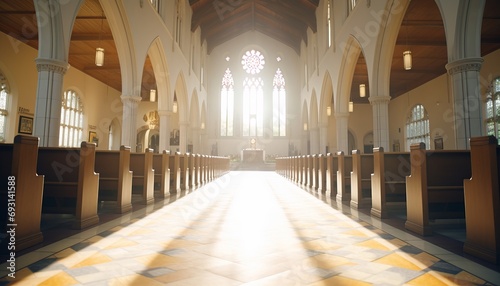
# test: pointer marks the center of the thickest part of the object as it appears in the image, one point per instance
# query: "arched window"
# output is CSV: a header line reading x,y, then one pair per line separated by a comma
x,y
329,22
178,21
4,100
279,105
253,94
227,104
352,4
253,107
71,128
417,127
493,108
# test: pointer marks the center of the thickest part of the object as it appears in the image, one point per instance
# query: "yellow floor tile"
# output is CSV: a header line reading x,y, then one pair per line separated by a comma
x,y
97,258
62,279
396,259
339,281
372,243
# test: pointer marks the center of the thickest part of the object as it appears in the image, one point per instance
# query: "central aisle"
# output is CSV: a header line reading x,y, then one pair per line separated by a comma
x,y
246,227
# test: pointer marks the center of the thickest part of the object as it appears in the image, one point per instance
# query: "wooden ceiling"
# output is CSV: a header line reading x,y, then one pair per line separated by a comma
x,y
287,21
422,32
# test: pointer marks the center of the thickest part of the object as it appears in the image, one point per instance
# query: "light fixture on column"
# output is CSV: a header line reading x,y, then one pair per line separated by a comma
x,y
362,90
351,106
407,61
152,95
202,126
174,105
305,126
99,51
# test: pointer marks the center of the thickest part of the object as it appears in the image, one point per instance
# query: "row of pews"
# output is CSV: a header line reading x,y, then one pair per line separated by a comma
x,y
81,181
428,185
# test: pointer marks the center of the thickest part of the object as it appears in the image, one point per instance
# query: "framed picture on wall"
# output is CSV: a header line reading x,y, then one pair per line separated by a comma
x,y
25,125
93,138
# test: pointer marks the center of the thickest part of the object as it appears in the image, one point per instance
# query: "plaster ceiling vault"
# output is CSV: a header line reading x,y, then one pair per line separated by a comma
x,y
286,21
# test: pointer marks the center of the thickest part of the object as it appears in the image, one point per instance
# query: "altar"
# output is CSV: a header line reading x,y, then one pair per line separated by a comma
x,y
253,156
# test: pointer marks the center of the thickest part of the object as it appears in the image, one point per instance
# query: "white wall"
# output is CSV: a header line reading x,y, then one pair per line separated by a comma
x,y
289,65
101,104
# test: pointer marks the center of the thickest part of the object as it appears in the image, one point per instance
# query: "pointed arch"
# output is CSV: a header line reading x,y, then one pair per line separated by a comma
x,y
279,104
347,65
326,99
158,59
181,96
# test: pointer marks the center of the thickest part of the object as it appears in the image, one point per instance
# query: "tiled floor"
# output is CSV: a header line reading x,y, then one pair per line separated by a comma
x,y
251,228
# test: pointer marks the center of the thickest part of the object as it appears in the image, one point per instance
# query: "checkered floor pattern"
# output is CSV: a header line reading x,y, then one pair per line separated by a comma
x,y
246,228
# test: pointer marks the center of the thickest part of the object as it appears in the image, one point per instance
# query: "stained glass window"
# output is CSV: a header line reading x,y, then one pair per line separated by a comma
x,y
4,97
71,127
253,107
227,104
279,105
417,127
253,62
493,108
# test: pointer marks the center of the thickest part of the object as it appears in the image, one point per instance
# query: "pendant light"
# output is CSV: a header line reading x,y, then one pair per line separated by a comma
x,y
99,51
407,60
362,90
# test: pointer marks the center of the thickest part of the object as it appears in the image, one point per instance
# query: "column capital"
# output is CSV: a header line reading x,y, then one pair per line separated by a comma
x,y
341,114
379,99
51,65
464,65
130,98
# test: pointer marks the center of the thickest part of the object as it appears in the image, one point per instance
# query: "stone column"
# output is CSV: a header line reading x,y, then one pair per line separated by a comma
x,y
196,139
380,107
48,100
342,120
164,129
315,140
467,105
183,129
323,138
129,136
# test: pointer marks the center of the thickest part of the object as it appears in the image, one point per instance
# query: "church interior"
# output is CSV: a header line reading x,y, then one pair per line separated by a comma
x,y
250,142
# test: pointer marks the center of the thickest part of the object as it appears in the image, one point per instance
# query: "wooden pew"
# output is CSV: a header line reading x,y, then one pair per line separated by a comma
x,y
71,186
303,180
203,178
299,170
161,165
482,201
141,164
388,181
115,178
331,174
309,171
314,184
322,173
343,177
362,168
295,170
184,165
197,163
434,189
192,171
19,164
175,173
